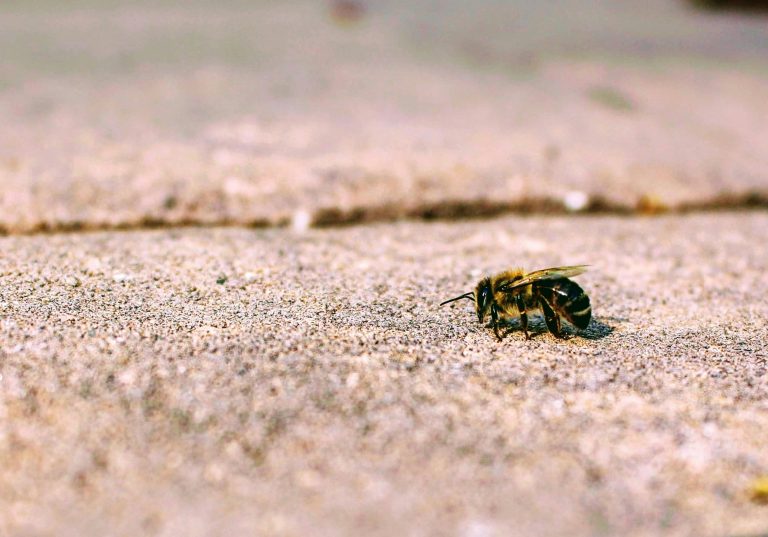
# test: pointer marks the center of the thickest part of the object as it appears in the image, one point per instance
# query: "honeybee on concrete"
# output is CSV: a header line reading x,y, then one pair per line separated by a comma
x,y
515,293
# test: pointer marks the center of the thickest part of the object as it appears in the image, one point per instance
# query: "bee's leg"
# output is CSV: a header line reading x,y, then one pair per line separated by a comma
x,y
523,316
495,321
551,318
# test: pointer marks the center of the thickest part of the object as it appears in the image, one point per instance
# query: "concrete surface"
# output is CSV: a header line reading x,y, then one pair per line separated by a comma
x,y
126,114
223,381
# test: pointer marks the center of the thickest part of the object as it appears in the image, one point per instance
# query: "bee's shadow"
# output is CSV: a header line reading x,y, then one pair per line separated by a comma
x,y
596,330
536,327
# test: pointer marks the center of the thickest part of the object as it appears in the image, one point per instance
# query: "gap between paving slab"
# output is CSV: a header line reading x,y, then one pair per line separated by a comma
x,y
444,211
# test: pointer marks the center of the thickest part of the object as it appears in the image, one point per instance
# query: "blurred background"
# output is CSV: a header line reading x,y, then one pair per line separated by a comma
x,y
124,114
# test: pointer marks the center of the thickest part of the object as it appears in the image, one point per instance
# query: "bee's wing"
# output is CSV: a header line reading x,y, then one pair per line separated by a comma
x,y
552,273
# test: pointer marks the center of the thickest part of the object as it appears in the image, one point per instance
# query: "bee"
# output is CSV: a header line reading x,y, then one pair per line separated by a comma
x,y
515,293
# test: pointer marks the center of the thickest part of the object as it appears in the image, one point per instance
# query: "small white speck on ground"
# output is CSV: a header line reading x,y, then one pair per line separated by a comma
x,y
576,200
300,221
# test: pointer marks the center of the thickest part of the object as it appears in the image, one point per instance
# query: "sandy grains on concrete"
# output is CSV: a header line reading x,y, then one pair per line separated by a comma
x,y
210,381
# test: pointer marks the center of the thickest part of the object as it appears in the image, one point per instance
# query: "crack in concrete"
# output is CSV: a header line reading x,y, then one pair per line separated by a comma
x,y
448,210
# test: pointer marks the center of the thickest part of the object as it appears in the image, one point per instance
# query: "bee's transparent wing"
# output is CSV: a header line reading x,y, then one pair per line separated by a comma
x,y
552,273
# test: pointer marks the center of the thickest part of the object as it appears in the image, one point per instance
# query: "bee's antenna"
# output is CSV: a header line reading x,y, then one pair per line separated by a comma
x,y
469,296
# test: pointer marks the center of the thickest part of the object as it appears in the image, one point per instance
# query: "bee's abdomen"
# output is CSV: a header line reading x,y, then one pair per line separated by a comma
x,y
567,299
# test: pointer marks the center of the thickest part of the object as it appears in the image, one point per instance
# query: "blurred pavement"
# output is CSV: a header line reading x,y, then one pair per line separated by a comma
x,y
259,113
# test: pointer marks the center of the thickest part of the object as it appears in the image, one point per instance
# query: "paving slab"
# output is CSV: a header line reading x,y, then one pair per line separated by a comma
x,y
233,381
121,114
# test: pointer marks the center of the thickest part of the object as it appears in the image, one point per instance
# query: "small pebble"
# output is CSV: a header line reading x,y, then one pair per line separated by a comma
x,y
71,281
576,200
300,221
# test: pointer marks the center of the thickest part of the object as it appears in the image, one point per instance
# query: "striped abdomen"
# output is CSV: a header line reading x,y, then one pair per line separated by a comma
x,y
567,299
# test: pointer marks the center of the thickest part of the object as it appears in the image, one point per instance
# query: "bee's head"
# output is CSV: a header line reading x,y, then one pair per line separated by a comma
x,y
483,296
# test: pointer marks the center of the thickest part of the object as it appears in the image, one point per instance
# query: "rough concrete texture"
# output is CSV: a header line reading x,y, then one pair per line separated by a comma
x,y
122,114
206,382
